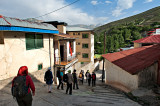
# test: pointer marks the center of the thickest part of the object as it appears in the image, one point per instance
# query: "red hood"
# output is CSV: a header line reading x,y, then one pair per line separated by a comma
x,y
23,70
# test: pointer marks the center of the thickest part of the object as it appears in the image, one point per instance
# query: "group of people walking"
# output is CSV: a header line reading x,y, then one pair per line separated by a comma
x,y
73,79
22,84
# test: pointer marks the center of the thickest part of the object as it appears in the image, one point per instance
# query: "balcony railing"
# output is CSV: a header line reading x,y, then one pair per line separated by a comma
x,y
65,61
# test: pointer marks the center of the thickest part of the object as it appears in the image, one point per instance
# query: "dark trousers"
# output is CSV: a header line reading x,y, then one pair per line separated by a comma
x,y
75,84
89,81
81,81
69,87
60,83
25,101
93,82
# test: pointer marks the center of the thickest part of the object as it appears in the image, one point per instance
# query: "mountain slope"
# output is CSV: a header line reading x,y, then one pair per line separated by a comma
x,y
144,18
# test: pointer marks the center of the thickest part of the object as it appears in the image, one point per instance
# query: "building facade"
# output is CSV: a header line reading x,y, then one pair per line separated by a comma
x,y
24,43
84,43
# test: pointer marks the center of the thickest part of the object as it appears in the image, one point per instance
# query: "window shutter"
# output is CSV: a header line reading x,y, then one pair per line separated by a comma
x,y
30,43
39,41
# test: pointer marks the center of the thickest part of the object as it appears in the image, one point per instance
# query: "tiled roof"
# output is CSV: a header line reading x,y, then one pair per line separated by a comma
x,y
135,60
149,39
77,29
7,21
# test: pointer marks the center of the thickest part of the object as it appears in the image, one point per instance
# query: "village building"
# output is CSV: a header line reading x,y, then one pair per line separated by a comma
x,y
64,48
150,40
84,46
134,68
25,43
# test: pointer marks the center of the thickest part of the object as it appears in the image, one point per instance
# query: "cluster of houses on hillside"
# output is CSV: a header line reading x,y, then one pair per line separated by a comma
x,y
134,68
41,45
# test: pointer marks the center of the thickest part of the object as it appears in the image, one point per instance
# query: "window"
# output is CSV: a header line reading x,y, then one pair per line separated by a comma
x,y
85,55
40,66
78,53
76,33
34,41
85,35
84,45
78,43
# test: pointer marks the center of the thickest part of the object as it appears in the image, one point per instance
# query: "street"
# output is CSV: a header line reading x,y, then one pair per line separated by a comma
x,y
101,95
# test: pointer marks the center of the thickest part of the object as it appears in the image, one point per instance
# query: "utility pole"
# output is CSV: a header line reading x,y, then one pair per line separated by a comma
x,y
104,53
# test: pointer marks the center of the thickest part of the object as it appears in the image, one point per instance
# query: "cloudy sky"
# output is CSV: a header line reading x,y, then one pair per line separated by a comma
x,y
81,12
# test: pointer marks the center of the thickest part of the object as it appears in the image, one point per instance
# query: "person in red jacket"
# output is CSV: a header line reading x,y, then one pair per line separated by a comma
x,y
27,99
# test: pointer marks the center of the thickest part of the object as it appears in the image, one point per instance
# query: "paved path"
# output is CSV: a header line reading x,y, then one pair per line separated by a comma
x,y
85,96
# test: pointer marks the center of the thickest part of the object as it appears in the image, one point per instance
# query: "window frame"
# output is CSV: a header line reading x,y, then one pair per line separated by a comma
x,y
33,42
84,37
85,54
84,44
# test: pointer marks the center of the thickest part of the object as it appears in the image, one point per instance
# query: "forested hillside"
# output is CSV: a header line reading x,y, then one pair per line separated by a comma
x,y
122,32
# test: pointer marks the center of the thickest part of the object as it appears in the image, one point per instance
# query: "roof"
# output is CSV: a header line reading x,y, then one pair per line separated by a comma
x,y
135,60
77,29
55,23
65,36
6,23
149,39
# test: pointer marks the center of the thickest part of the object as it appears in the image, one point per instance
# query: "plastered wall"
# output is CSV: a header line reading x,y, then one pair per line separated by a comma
x,y
14,54
115,74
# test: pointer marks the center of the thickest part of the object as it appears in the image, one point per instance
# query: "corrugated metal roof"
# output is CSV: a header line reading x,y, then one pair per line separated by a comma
x,y
135,60
7,21
149,39
77,29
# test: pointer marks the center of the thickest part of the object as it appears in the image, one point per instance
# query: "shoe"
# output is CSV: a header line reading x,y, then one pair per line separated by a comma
x,y
77,88
49,92
70,94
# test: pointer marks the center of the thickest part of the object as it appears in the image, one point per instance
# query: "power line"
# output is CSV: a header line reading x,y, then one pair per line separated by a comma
x,y
58,9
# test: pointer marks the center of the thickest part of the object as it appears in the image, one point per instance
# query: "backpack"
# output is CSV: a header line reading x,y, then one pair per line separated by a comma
x,y
19,88
93,76
65,78
80,75
48,75
58,74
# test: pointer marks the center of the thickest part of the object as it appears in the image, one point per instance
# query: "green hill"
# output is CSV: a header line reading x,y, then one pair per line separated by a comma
x,y
145,18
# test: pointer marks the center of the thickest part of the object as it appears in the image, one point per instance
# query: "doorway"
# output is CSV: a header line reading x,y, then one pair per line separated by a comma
x,y
62,52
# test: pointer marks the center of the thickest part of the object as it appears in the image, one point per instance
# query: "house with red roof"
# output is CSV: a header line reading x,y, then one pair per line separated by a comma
x,y
150,40
134,68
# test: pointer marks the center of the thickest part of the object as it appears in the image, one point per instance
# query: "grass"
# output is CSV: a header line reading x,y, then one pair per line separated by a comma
x,y
98,56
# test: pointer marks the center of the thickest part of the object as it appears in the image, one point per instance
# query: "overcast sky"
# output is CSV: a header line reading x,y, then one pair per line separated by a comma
x,y
82,12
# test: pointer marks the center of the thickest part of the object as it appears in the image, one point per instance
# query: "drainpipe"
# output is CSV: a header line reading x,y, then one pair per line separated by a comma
x,y
50,56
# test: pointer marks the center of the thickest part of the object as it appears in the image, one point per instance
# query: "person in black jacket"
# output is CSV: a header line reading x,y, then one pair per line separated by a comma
x,y
49,79
75,79
93,79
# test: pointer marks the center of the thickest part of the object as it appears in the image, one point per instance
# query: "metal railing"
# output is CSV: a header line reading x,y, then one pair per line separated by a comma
x,y
63,60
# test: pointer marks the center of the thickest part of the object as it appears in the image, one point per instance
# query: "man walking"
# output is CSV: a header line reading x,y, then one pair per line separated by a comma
x,y
69,82
48,77
93,79
89,78
60,78
75,80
